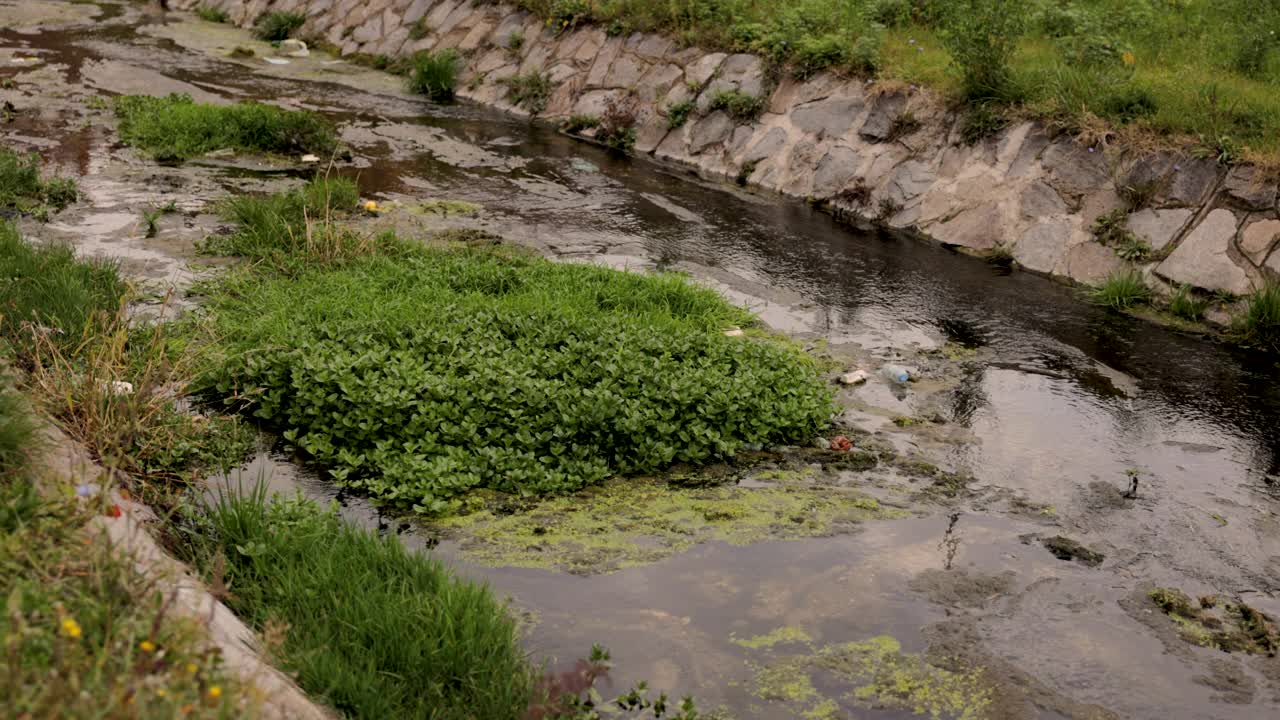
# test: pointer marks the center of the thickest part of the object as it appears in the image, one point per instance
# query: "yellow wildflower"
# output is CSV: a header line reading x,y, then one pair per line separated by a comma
x,y
160,692
147,646
70,628
192,668
215,692
1128,58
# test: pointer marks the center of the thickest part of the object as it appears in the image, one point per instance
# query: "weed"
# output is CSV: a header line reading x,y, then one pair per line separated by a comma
x,y
741,106
678,113
904,124
212,14
1184,303
241,53
435,74
151,218
744,172
22,188
1121,290
381,631
577,123
277,26
554,368
515,41
865,55
529,90
980,122
564,15
618,124
858,194
1259,326
887,208
419,29
981,36
814,54
175,128
1001,254
1112,230
1139,194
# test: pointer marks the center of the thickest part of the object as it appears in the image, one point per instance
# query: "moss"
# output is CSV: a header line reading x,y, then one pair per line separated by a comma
x,y
905,421
826,710
630,522
785,634
1064,548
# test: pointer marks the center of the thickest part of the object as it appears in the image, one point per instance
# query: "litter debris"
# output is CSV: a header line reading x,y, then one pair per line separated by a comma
x,y
120,387
310,158
857,377
734,332
277,61
293,48
841,443
371,206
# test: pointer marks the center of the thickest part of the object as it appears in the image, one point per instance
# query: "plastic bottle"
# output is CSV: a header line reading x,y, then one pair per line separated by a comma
x,y
895,373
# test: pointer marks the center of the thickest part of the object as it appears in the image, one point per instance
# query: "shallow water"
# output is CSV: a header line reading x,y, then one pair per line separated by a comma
x,y
1059,396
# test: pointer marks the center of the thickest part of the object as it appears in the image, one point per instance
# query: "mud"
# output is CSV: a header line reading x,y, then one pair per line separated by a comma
x,y
1029,410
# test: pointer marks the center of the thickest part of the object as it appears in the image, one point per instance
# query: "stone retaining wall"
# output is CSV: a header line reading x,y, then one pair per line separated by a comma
x,y
885,151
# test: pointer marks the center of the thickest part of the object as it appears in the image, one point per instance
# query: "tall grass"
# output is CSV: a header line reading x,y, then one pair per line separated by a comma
x,y
434,74
212,14
375,630
1185,304
175,127
46,291
1259,326
289,224
1071,62
1121,290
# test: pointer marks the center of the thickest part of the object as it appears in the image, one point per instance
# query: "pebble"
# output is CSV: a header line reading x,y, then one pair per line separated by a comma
x,y
857,377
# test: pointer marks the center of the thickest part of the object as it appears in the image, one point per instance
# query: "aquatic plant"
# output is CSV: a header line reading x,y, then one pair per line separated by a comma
x,y
529,90
538,378
1121,290
1259,326
578,123
376,629
278,25
175,127
435,74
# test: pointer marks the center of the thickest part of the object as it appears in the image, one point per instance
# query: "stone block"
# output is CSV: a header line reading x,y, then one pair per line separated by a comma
x,y
1159,227
1203,258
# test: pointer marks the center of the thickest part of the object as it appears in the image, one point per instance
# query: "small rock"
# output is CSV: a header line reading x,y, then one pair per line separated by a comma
x,y
734,332
821,444
857,377
310,158
294,48
120,387
1064,548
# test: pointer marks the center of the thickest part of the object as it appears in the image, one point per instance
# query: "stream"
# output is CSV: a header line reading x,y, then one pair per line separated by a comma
x,y
1056,404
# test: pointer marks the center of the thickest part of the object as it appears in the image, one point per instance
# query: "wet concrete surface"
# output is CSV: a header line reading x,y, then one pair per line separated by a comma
x,y
1048,402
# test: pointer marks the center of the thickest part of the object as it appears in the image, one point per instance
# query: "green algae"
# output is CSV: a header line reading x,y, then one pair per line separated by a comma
x,y
876,673
629,522
785,634
446,208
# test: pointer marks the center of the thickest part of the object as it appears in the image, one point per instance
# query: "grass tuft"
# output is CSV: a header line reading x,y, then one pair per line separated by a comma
x,y
1185,304
1259,326
1122,290
175,128
23,190
435,74
741,106
290,225
380,631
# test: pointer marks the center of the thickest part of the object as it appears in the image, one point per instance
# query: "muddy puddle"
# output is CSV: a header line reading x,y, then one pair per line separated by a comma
x,y
1053,408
